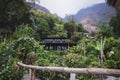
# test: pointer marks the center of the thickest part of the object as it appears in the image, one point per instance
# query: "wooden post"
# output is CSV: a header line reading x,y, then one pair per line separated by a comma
x,y
32,74
72,76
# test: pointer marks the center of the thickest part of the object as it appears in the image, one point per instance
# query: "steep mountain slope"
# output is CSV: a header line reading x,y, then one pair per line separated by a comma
x,y
92,16
39,7
34,5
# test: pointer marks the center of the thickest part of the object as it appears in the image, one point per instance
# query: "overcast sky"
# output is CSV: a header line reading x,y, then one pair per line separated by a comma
x,y
64,7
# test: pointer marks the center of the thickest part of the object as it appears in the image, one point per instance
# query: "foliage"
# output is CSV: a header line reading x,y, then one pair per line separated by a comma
x,y
24,31
42,28
105,31
70,27
84,54
21,48
8,68
112,52
72,60
24,46
14,51
80,28
58,31
115,23
74,31
13,13
46,24
50,58
78,36
87,48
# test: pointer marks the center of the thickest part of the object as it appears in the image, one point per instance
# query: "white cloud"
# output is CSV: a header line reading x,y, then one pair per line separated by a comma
x,y
63,7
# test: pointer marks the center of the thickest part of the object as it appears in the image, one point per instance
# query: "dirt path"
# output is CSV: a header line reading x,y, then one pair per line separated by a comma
x,y
27,77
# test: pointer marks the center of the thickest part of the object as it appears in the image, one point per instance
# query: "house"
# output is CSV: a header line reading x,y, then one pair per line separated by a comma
x,y
57,43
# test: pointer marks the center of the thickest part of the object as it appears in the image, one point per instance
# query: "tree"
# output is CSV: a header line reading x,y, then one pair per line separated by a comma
x,y
45,23
22,47
43,28
70,27
115,23
111,2
13,13
58,31
115,20
112,53
115,4
23,31
80,28
105,31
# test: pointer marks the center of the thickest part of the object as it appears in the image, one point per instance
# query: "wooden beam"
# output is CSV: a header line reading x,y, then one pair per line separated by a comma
x,y
96,71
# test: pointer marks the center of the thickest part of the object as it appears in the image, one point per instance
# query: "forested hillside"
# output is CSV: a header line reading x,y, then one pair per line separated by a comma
x,y
22,29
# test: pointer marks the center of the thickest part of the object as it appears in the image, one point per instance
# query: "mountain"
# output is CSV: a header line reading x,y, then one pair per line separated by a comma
x,y
92,16
39,7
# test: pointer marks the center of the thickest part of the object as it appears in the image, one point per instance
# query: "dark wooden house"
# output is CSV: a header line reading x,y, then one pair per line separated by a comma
x,y
57,43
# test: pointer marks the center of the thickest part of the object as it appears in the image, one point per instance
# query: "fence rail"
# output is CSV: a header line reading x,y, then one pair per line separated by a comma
x,y
96,71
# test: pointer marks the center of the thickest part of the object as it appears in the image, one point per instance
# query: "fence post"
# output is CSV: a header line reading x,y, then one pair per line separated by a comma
x,y
32,74
72,76
101,56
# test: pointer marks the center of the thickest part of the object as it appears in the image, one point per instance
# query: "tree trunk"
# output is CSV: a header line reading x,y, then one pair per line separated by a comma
x,y
97,71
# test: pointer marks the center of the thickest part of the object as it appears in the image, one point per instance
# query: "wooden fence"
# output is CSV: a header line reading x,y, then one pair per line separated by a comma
x,y
96,71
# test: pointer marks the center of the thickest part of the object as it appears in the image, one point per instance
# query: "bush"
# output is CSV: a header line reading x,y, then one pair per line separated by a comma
x,y
21,48
23,31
